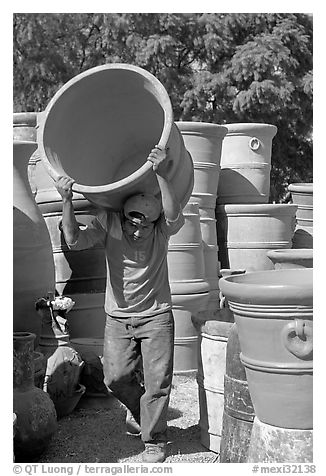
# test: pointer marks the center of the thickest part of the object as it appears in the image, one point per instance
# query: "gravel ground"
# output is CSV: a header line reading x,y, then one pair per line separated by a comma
x,y
97,435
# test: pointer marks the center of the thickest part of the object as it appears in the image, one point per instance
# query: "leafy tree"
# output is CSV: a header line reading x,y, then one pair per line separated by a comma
x,y
216,67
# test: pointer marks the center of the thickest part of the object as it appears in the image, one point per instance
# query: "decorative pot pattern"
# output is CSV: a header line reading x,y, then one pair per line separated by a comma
x,y
121,111
246,163
273,312
33,266
36,415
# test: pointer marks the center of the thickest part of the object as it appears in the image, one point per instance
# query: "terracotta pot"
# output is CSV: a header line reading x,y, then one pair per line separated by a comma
x,y
246,163
302,196
36,415
246,232
188,283
203,140
120,111
213,335
24,124
185,342
291,258
273,312
33,266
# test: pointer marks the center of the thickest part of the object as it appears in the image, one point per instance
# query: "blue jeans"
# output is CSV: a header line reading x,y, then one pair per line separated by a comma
x,y
127,343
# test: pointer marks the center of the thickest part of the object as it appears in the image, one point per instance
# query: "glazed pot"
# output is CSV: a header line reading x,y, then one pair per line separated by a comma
x,y
120,111
246,163
273,313
291,258
36,415
33,265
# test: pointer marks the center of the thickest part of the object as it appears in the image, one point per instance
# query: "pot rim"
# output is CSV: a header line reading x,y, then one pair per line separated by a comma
x,y
290,254
255,208
279,286
303,187
198,128
147,166
251,128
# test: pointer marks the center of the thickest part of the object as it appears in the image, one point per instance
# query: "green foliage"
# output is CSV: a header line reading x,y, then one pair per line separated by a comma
x,y
216,67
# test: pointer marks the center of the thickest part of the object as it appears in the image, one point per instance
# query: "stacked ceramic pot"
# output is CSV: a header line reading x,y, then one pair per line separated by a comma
x,y
204,142
247,227
189,287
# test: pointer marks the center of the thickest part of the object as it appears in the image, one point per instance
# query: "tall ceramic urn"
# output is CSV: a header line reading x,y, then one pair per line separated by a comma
x,y
36,415
246,163
33,266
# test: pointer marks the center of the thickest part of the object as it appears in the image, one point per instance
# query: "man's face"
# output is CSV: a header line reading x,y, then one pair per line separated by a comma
x,y
137,229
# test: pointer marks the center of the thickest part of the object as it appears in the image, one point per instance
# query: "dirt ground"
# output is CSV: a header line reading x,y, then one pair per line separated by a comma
x,y
97,435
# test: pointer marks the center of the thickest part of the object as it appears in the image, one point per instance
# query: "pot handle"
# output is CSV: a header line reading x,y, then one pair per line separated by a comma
x,y
254,143
297,338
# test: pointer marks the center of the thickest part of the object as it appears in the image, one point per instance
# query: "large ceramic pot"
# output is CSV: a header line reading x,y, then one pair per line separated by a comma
x,y
36,415
100,127
302,196
246,163
33,266
273,313
245,233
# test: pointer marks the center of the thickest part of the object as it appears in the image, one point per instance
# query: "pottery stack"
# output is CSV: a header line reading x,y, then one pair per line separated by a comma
x,y
249,230
204,142
247,225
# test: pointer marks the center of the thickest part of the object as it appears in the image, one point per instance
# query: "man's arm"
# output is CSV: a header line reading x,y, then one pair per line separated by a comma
x,y
70,226
161,163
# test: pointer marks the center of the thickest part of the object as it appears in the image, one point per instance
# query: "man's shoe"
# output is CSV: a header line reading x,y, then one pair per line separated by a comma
x,y
132,427
155,452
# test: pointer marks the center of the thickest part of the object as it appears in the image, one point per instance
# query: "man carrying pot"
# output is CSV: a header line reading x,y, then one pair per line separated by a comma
x,y
139,325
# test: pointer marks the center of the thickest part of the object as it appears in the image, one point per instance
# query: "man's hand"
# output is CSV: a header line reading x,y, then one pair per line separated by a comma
x,y
63,185
160,161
